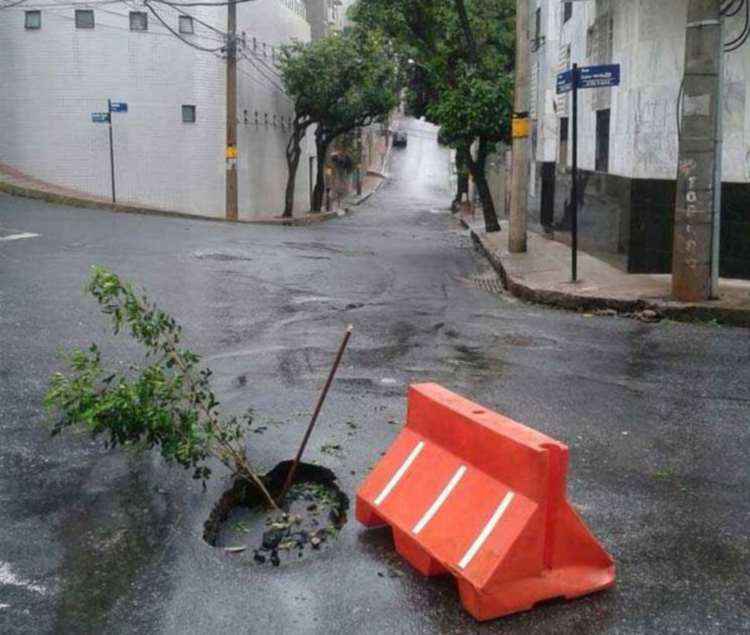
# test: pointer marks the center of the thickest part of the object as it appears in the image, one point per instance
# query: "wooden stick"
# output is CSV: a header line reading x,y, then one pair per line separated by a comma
x,y
318,407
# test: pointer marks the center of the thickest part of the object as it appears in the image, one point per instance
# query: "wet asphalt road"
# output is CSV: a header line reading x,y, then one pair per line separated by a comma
x,y
94,541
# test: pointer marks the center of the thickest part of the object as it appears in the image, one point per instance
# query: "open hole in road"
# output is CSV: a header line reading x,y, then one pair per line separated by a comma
x,y
315,509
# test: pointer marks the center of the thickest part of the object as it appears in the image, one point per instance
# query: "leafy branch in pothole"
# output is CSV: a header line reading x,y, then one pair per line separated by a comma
x,y
167,402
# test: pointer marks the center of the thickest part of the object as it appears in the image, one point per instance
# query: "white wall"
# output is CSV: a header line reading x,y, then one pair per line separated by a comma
x,y
649,44
51,80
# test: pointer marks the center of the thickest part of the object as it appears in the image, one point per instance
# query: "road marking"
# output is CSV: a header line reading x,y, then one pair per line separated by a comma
x,y
19,236
469,555
440,500
399,473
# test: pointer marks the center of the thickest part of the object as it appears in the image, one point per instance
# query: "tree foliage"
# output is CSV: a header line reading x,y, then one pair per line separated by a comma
x,y
337,83
460,54
164,403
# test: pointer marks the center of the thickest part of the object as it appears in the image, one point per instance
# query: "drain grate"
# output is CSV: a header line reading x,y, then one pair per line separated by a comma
x,y
487,281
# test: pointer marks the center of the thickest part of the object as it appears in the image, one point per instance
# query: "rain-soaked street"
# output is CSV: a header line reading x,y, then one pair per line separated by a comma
x,y
656,417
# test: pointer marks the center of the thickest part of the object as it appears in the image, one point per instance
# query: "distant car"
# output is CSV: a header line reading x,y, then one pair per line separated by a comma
x,y
399,139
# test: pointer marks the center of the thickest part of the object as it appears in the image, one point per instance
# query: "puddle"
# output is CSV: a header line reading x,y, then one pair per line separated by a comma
x,y
314,512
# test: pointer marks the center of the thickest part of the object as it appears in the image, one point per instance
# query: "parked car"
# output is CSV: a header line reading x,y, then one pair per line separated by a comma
x,y
399,139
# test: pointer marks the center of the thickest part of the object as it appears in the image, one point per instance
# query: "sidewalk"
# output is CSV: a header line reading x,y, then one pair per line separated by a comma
x,y
17,183
543,275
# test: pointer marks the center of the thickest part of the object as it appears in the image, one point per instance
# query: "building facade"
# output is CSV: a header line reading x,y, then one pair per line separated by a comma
x,y
61,62
628,135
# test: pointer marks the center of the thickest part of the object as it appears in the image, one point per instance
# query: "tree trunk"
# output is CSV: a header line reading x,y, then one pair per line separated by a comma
x,y
462,180
477,167
293,153
321,146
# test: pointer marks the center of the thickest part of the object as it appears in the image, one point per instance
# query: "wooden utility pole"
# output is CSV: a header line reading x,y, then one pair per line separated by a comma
x,y
695,252
231,149
520,132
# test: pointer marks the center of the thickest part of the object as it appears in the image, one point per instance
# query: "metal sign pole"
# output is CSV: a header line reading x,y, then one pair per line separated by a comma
x,y
111,151
574,189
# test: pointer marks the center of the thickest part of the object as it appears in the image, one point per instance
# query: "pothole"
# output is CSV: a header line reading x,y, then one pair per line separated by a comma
x,y
314,511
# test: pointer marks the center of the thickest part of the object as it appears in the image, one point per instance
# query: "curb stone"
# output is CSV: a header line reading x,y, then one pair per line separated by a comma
x,y
73,201
570,301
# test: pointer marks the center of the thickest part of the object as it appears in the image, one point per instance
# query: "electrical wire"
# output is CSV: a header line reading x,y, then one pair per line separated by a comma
x,y
737,42
729,11
198,20
262,72
14,4
147,4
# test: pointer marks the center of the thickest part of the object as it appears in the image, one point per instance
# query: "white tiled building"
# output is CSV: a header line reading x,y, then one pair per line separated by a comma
x,y
628,135
56,69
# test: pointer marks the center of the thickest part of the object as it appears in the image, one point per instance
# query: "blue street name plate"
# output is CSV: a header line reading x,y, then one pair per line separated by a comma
x,y
604,76
100,117
564,82
119,106
599,76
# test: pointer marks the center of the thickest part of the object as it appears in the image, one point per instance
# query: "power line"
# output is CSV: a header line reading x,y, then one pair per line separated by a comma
x,y
268,78
147,4
737,42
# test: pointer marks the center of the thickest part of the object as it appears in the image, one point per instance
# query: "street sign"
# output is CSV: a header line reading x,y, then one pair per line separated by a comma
x,y
119,106
100,117
565,82
599,76
604,76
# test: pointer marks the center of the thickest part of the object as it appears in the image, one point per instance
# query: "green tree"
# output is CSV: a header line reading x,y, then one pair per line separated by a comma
x,y
461,55
337,83
166,402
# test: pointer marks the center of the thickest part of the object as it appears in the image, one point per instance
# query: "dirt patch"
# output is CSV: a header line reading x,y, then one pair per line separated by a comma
x,y
314,511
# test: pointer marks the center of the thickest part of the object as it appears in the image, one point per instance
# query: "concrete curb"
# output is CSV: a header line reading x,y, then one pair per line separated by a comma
x,y
570,301
73,201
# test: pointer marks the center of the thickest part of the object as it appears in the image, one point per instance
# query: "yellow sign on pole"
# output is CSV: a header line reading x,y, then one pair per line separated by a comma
x,y
520,127
231,152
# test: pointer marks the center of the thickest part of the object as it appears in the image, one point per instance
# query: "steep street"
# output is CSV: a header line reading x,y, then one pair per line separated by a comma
x,y
106,541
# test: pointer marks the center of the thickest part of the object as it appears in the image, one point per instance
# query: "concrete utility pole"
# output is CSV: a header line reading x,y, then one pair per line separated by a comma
x,y
695,253
231,150
521,143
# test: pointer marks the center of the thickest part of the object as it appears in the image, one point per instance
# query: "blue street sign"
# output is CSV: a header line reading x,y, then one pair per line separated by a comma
x,y
100,117
589,77
119,106
565,82
599,76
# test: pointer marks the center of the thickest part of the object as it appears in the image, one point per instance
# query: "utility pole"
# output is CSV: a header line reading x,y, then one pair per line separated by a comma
x,y
695,252
231,149
520,132
111,151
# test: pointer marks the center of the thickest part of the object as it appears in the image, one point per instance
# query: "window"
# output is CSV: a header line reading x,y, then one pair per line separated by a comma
x,y
138,21
186,24
602,140
84,19
188,113
33,20
537,26
567,11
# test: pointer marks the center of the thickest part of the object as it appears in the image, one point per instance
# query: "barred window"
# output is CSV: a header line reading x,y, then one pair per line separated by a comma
x,y
186,24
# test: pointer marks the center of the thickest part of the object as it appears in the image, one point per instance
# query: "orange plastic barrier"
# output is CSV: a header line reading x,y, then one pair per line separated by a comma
x,y
472,493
